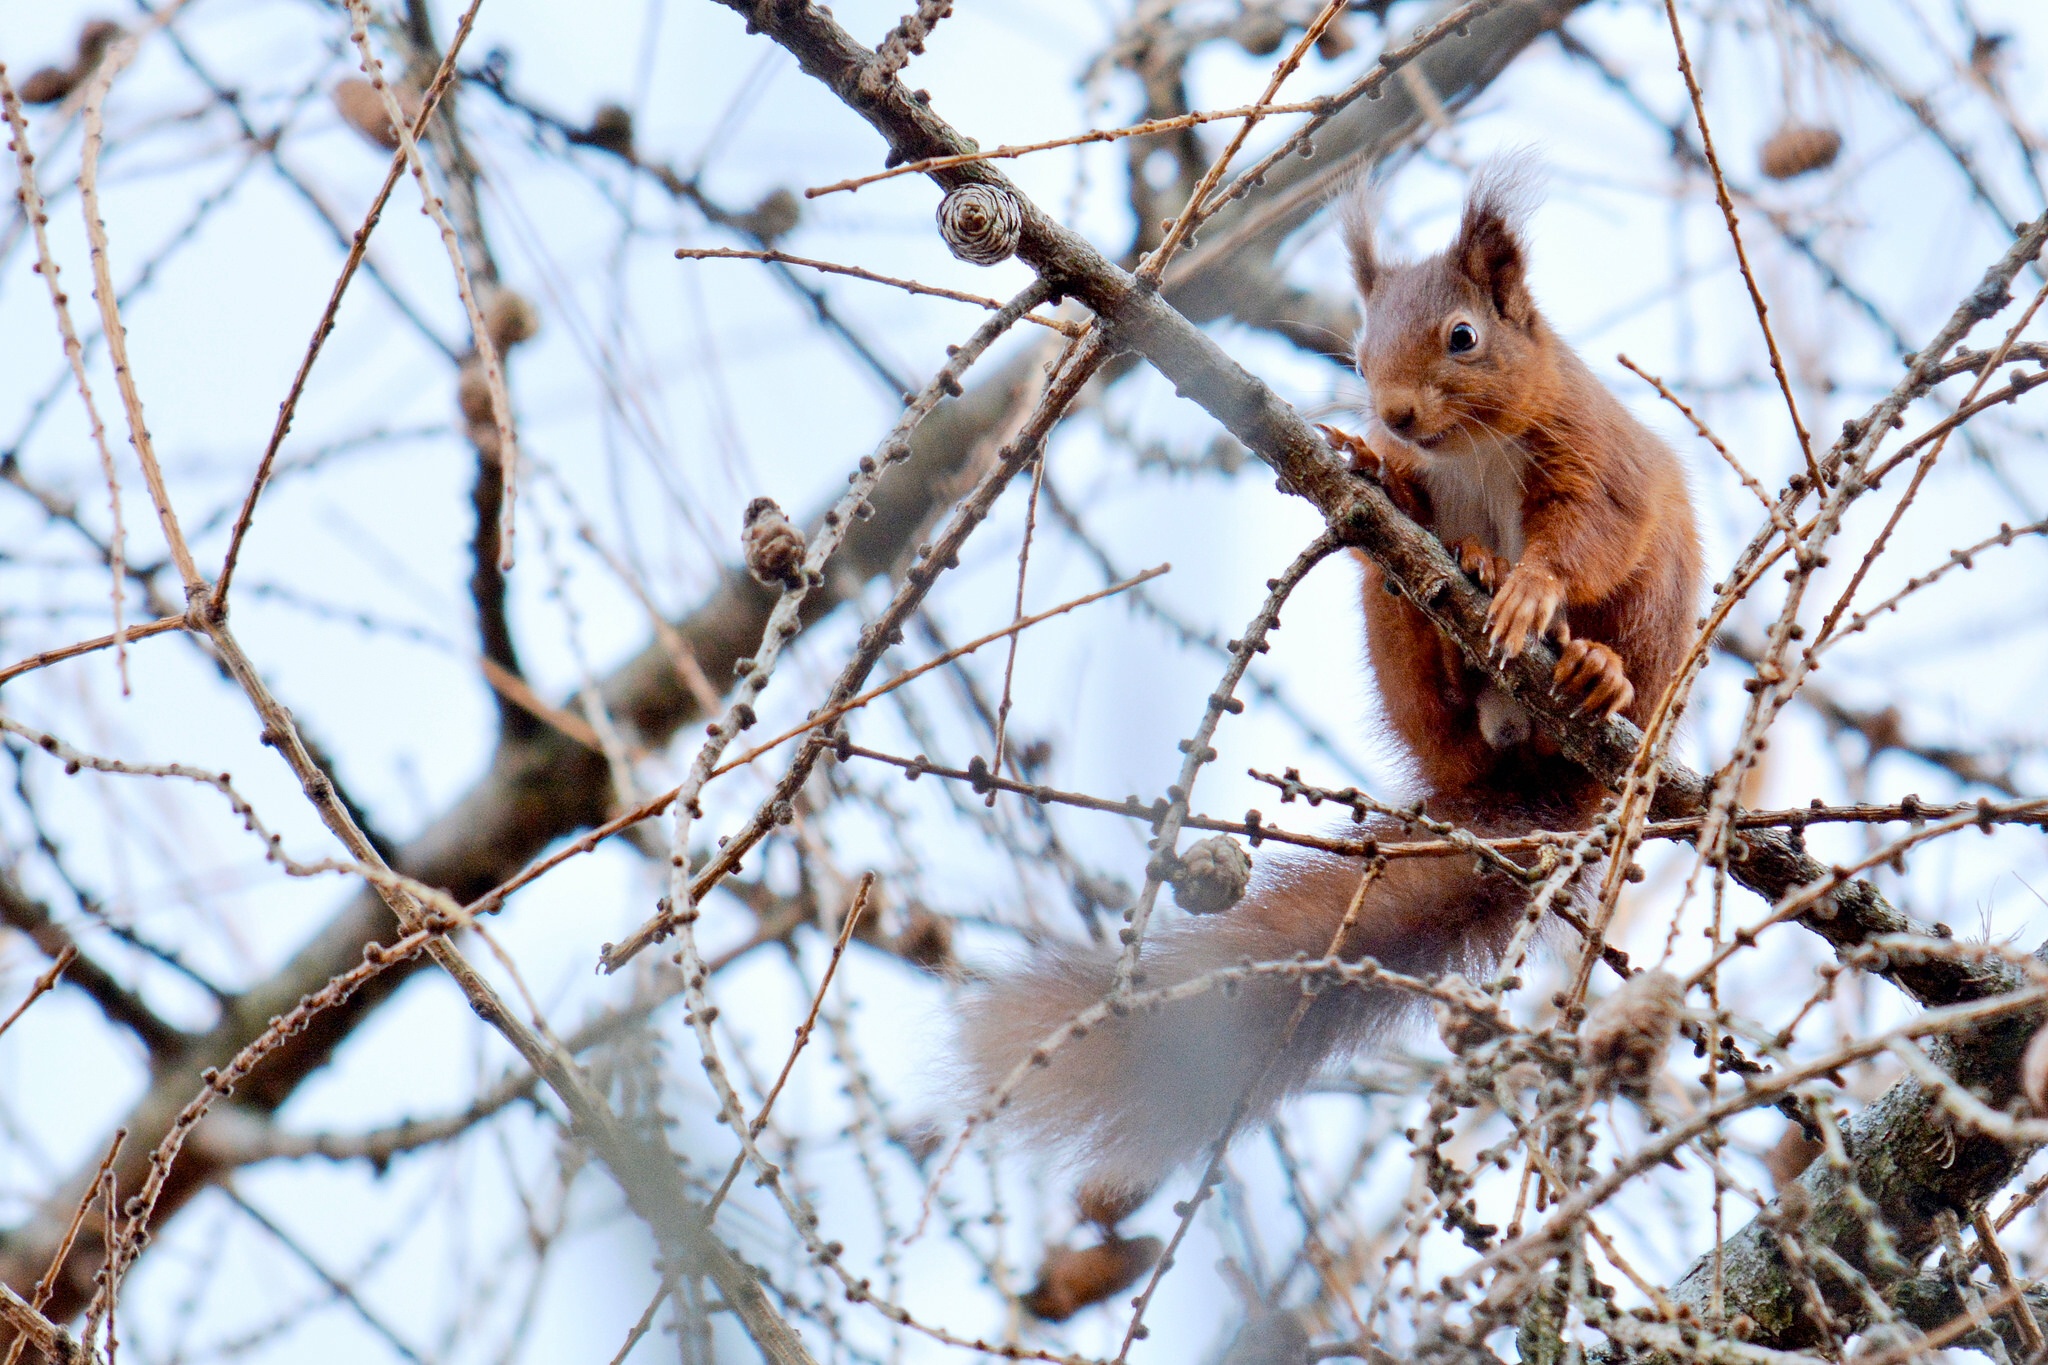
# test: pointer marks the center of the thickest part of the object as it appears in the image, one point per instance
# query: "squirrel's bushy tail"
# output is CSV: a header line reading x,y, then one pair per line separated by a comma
x,y
1143,1092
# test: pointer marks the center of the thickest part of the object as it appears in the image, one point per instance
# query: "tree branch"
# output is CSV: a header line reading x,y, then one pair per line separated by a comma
x,y
18,910
541,787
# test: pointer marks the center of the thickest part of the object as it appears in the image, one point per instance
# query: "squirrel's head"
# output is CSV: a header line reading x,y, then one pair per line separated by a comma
x,y
1451,344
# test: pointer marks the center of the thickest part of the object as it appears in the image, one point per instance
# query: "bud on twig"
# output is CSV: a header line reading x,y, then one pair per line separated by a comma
x,y
774,549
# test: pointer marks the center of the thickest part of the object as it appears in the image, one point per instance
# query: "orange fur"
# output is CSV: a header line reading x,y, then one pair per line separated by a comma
x,y
1511,451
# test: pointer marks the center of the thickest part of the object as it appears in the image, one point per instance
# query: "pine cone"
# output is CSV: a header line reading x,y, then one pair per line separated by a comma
x,y
1798,148
510,319
1625,1037
48,85
1472,1019
981,223
1074,1279
610,130
1213,875
774,549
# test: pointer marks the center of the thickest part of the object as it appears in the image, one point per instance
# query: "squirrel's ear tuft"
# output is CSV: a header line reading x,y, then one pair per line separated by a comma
x,y
1354,222
1489,250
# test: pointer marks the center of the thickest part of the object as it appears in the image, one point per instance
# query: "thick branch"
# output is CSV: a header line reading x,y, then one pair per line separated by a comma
x,y
1911,1159
538,788
1891,1160
19,910
1413,559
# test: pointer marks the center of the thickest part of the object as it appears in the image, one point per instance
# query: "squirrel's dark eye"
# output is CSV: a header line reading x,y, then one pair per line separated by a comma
x,y
1463,338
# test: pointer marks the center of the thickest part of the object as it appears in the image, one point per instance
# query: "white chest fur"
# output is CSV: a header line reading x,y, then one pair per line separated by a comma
x,y
1475,489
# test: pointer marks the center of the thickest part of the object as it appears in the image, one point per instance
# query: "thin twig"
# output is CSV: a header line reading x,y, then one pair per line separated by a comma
x,y
431,203
359,245
1756,297
803,1035
724,253
33,209
119,638
833,713
42,985
2001,1272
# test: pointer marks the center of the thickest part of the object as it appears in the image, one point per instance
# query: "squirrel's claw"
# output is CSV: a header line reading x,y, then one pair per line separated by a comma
x,y
1364,459
1592,674
1526,605
1485,567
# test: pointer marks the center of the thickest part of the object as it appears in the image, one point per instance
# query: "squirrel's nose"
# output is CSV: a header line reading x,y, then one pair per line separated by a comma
x,y
1400,419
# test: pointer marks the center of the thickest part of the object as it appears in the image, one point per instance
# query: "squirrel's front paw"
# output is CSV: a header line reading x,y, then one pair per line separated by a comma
x,y
1364,459
1526,605
1486,568
1591,673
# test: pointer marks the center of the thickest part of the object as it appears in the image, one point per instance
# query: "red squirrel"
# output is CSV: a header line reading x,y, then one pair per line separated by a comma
x,y
1486,428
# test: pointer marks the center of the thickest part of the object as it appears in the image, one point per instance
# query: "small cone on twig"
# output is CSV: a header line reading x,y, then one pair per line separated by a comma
x,y
362,108
1625,1036
926,940
1072,1279
1212,876
610,130
510,319
1259,31
1335,41
1798,148
53,83
775,216
774,549
1466,1017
